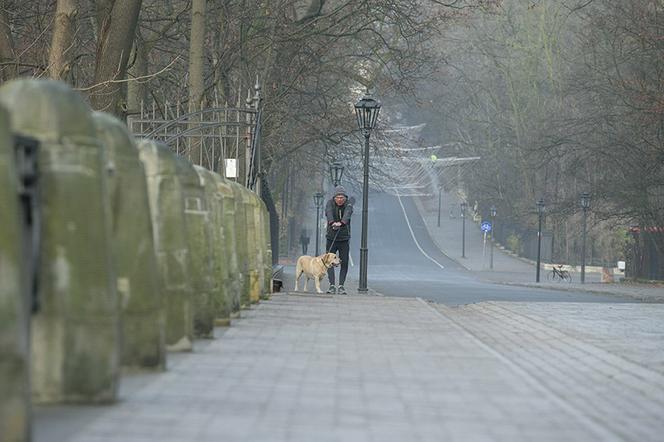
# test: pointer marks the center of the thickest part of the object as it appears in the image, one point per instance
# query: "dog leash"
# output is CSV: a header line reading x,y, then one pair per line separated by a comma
x,y
334,240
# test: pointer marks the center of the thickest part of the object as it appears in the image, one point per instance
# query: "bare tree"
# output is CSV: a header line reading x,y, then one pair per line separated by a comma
x,y
196,68
59,60
116,23
7,49
196,54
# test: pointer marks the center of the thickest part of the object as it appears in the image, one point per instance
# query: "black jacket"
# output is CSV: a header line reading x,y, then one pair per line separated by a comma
x,y
336,213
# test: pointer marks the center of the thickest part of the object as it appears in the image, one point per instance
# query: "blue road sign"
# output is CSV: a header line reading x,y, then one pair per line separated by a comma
x,y
486,226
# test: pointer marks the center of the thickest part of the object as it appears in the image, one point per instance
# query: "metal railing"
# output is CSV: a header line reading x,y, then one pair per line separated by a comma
x,y
224,139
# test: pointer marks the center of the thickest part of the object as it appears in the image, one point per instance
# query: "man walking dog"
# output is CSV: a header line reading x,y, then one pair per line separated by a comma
x,y
338,212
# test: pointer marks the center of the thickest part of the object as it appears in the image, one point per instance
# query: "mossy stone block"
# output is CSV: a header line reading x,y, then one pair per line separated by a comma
x,y
143,317
14,304
221,286
170,241
76,334
197,227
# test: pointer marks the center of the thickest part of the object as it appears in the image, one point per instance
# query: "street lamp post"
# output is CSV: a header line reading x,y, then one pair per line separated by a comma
x,y
440,191
463,229
318,201
634,230
367,110
585,205
336,172
493,230
540,213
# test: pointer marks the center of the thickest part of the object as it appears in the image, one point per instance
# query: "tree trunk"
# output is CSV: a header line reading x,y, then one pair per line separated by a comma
x,y
221,67
117,21
61,43
136,90
196,59
7,51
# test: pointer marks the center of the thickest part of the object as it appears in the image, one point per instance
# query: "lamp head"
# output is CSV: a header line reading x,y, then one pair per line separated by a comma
x,y
318,199
367,110
336,172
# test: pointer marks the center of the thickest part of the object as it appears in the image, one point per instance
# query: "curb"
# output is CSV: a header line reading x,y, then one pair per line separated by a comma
x,y
644,298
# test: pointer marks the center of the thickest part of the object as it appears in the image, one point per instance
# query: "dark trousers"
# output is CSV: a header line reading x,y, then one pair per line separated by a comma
x,y
304,248
343,248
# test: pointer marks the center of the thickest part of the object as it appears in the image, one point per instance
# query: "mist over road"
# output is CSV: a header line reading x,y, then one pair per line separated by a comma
x,y
398,267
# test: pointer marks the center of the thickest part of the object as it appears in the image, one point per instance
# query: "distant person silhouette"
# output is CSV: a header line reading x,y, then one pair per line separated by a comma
x,y
304,240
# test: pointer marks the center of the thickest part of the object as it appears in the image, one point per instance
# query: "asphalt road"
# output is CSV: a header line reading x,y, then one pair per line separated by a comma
x,y
398,267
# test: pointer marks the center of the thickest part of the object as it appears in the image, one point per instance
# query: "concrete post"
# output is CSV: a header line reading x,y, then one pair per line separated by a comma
x,y
199,240
242,243
221,297
143,317
76,334
261,245
14,302
253,281
170,242
267,260
225,189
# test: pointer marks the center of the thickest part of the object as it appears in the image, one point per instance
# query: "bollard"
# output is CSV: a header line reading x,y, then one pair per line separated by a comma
x,y
220,283
253,242
241,230
14,302
267,251
133,248
170,242
261,245
76,334
197,219
234,276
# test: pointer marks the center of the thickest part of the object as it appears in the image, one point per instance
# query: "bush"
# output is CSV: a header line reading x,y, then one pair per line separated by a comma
x,y
514,243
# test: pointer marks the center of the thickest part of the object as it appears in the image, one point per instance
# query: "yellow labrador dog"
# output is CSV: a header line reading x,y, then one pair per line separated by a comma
x,y
314,267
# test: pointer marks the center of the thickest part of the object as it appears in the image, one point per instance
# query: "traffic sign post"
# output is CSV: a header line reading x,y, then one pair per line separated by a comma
x,y
486,227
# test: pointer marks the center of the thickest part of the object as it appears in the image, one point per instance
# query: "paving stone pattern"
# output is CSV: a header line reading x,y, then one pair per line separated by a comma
x,y
634,332
369,368
604,361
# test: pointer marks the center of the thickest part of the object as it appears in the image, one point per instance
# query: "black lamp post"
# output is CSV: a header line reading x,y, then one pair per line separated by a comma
x,y
493,230
634,229
318,201
463,229
440,191
585,205
336,172
367,110
540,213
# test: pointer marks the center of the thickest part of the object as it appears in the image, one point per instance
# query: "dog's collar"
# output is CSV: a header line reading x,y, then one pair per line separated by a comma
x,y
325,266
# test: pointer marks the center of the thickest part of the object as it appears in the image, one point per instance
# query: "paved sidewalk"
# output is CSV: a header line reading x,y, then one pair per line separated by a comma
x,y
509,269
372,368
604,361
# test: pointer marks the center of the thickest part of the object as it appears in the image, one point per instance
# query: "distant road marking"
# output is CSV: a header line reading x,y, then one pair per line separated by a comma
x,y
413,234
